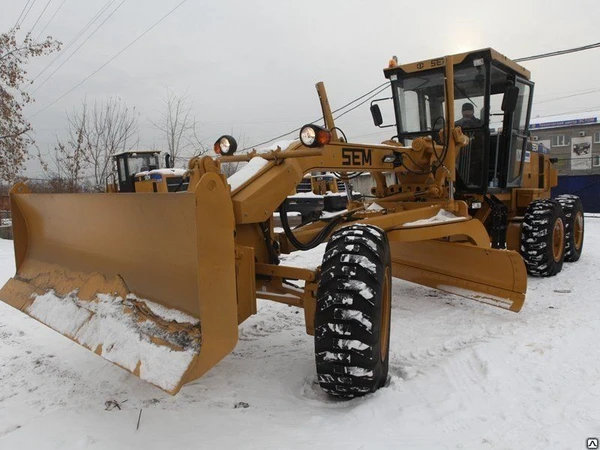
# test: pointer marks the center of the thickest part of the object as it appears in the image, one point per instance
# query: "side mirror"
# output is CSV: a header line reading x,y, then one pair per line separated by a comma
x,y
376,114
509,101
167,161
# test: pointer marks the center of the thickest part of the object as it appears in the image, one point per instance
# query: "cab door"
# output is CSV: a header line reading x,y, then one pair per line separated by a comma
x,y
519,133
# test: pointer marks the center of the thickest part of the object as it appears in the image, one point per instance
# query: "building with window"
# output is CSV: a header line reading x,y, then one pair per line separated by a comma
x,y
573,139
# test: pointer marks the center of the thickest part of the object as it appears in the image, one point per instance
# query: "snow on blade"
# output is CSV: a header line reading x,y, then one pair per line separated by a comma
x,y
166,313
62,314
123,333
441,217
245,173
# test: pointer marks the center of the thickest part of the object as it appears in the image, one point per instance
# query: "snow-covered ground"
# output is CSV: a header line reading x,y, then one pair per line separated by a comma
x,y
463,376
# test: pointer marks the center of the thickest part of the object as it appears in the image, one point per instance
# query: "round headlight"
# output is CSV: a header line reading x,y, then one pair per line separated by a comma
x,y
314,136
226,145
308,135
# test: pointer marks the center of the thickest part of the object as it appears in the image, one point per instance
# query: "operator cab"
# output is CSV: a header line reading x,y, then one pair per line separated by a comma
x,y
492,104
133,162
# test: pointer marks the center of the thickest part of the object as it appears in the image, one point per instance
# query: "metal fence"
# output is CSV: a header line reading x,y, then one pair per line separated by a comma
x,y
569,165
5,218
587,187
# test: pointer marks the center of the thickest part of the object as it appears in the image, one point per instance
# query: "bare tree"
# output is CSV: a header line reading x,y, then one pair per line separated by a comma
x,y
111,128
69,156
179,126
94,137
14,137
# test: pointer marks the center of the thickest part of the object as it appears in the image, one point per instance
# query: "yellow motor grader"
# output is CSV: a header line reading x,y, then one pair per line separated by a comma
x,y
158,282
140,171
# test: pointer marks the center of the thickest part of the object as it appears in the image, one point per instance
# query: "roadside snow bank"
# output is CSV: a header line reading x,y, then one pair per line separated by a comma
x,y
133,333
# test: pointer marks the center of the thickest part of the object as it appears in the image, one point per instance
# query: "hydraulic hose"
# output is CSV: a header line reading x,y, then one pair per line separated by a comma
x,y
317,240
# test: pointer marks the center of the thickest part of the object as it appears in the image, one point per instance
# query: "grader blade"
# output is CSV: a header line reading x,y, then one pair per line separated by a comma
x,y
145,280
496,277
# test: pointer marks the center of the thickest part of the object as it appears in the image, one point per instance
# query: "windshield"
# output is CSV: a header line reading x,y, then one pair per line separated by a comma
x,y
421,99
469,95
142,162
420,102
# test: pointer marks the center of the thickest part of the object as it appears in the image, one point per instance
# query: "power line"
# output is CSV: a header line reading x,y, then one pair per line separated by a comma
x,y
111,59
575,111
80,45
527,58
591,91
361,97
27,13
20,15
558,52
40,16
384,85
365,101
51,19
77,36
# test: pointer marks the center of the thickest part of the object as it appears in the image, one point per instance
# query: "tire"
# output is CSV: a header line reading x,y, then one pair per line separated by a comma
x,y
574,225
352,318
543,238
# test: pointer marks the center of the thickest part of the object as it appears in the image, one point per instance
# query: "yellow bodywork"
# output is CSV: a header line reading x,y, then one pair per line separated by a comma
x,y
176,254
209,252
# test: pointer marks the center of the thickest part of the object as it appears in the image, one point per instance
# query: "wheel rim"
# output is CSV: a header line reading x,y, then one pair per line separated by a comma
x,y
558,240
578,230
385,315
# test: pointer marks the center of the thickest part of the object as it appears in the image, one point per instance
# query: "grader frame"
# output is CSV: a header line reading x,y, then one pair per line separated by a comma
x,y
211,252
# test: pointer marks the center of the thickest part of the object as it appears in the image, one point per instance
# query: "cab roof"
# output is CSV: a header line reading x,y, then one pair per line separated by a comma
x,y
435,63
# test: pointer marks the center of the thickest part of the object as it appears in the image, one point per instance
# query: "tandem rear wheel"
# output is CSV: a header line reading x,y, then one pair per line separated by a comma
x,y
574,225
543,238
552,233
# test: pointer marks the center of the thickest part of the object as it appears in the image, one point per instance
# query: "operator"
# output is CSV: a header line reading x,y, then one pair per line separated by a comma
x,y
468,118
471,156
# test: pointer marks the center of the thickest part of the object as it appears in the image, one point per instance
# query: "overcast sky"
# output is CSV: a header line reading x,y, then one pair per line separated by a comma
x,y
250,66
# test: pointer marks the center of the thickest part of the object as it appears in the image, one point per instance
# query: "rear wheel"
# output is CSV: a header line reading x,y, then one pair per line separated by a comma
x,y
543,238
352,319
574,225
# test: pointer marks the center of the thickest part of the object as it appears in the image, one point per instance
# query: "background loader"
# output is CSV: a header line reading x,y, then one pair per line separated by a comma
x,y
158,282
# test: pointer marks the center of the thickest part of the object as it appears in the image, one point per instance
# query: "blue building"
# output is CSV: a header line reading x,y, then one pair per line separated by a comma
x,y
574,140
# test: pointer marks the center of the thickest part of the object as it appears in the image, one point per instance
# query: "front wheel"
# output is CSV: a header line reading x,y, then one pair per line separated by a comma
x,y
352,318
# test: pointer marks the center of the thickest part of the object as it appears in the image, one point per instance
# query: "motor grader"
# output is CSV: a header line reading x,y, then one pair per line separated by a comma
x,y
140,171
158,282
